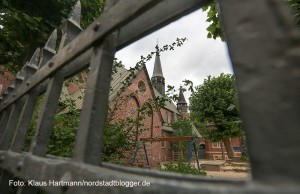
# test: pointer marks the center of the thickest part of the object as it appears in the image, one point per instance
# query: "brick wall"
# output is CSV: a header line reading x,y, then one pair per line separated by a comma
x,y
5,78
152,124
214,151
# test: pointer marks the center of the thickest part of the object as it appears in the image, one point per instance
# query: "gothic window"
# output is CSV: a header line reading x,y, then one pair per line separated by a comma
x,y
166,118
163,143
132,107
172,117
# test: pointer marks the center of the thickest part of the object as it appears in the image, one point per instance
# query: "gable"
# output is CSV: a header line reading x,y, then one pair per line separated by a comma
x,y
117,85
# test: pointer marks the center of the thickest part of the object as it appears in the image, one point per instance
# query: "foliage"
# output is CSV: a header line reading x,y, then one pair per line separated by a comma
x,y
91,10
215,101
140,64
26,25
295,8
32,128
214,30
182,167
61,142
182,127
119,134
62,137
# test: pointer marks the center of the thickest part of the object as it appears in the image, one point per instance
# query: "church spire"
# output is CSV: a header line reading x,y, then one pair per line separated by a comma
x,y
181,99
157,79
182,106
157,71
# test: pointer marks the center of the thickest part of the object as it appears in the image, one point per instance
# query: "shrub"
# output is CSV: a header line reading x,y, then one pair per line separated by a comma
x,y
182,167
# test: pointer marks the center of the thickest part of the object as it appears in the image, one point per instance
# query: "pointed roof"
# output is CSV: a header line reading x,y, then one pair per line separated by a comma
x,y
157,71
181,99
168,104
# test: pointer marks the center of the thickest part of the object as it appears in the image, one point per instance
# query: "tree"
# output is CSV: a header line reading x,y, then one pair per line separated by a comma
x,y
183,127
26,25
295,8
214,30
215,102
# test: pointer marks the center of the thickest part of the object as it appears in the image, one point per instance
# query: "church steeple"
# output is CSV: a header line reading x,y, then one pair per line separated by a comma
x,y
157,79
182,106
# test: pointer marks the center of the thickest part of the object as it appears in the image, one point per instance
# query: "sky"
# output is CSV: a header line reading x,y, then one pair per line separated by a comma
x,y
197,58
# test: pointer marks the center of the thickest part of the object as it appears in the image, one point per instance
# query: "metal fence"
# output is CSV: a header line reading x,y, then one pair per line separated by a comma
x,y
264,47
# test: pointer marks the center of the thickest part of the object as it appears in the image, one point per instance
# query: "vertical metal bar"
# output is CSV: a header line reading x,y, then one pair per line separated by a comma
x,y
47,52
27,190
27,71
1,115
17,107
4,124
190,150
136,151
20,134
264,51
4,120
4,186
11,124
146,155
196,155
95,106
40,142
25,119
71,29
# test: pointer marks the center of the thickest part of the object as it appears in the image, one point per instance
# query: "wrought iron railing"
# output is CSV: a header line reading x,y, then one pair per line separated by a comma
x,y
264,48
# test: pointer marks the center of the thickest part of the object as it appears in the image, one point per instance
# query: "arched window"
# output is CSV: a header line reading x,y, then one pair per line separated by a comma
x,y
132,111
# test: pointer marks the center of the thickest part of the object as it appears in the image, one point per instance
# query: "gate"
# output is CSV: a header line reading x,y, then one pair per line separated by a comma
x,y
264,48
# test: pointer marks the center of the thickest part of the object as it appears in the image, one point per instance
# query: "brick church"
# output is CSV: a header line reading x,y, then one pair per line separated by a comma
x,y
137,93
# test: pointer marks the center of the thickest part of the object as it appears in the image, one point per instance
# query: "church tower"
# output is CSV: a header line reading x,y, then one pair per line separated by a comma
x,y
182,104
157,79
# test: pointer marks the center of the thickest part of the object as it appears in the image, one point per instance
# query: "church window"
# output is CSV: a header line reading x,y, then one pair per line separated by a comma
x,y
166,118
141,86
163,143
172,117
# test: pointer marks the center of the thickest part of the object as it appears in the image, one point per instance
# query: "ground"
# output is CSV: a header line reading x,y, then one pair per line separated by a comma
x,y
232,170
229,175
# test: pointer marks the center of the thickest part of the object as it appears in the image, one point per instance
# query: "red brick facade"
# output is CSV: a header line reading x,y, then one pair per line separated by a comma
x,y
140,91
213,150
5,78
157,151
